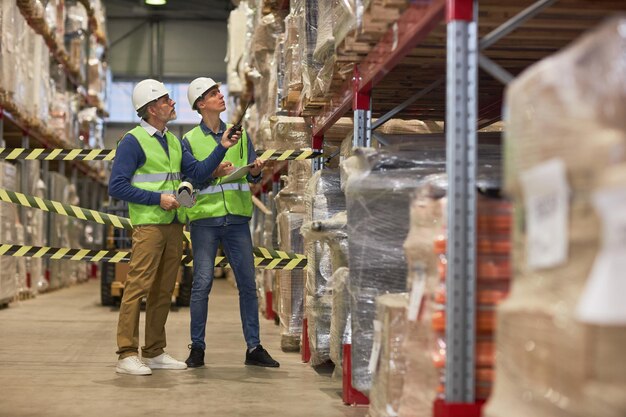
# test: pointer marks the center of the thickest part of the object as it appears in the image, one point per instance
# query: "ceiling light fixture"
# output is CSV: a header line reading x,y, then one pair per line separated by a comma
x,y
156,2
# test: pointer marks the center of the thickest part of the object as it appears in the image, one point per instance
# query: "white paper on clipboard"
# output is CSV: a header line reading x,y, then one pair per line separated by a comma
x,y
237,174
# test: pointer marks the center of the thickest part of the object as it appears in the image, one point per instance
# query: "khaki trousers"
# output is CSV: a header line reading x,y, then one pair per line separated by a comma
x,y
154,265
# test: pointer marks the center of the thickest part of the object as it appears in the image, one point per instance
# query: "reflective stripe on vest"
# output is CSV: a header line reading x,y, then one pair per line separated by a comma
x,y
165,176
214,189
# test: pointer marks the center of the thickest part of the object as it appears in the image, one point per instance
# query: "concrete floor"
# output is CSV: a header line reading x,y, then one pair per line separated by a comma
x,y
57,358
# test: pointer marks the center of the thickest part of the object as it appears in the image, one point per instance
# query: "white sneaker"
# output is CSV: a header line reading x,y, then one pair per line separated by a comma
x,y
132,365
164,361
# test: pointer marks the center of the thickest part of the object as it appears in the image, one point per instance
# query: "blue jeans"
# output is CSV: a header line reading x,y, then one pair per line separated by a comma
x,y
237,244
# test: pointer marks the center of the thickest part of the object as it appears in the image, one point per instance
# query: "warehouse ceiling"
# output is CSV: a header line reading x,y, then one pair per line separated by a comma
x,y
210,10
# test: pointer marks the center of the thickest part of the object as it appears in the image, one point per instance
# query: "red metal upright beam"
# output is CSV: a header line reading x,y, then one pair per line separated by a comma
x,y
350,395
305,348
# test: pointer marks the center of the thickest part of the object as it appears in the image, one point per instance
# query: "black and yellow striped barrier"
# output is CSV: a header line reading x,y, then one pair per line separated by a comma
x,y
108,154
124,256
58,154
65,209
110,219
288,155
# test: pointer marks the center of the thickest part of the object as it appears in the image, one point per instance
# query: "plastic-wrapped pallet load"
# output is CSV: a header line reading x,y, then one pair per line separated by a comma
x,y
346,17
292,51
289,133
388,356
236,46
264,41
290,205
333,233
291,283
378,196
324,48
340,323
75,230
323,199
60,274
421,379
8,220
35,224
562,331
426,256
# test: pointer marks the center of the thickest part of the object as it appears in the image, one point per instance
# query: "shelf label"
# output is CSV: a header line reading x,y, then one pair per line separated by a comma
x,y
602,300
546,202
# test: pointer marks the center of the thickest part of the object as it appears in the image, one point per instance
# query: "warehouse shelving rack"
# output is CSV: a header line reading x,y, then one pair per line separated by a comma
x,y
441,43
18,131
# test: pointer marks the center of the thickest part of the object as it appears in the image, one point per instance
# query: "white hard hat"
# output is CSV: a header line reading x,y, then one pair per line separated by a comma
x,y
198,87
146,91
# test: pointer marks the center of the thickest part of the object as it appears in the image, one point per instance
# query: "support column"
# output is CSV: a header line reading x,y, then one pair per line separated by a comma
x,y
318,146
2,142
45,177
23,185
461,110
362,106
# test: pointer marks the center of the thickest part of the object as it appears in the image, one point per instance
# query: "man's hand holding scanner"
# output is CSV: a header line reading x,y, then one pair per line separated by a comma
x,y
231,137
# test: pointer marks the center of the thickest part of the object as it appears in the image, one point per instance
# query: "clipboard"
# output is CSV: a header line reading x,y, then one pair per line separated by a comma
x,y
237,174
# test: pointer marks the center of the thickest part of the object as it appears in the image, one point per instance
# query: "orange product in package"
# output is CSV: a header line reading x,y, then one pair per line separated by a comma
x,y
485,320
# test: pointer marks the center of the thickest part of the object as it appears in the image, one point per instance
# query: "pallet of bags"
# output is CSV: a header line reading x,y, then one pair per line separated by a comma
x,y
562,331
323,199
378,193
290,284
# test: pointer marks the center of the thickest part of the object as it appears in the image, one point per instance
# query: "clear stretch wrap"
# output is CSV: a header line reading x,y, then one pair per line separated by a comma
x,y
35,226
289,133
290,284
378,196
388,355
293,50
346,15
8,220
237,33
340,329
60,274
562,331
323,199
264,40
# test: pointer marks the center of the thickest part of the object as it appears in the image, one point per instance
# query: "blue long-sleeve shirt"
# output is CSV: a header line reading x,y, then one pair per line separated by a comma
x,y
130,156
217,136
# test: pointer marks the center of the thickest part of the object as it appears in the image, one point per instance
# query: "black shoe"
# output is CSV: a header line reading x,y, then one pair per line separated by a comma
x,y
196,358
260,357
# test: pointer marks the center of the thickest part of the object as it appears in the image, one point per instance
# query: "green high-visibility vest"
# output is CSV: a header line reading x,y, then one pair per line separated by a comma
x,y
160,174
220,199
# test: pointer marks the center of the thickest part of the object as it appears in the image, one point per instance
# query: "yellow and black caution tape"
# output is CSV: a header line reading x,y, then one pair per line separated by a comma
x,y
65,209
124,256
110,219
288,155
108,154
58,154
